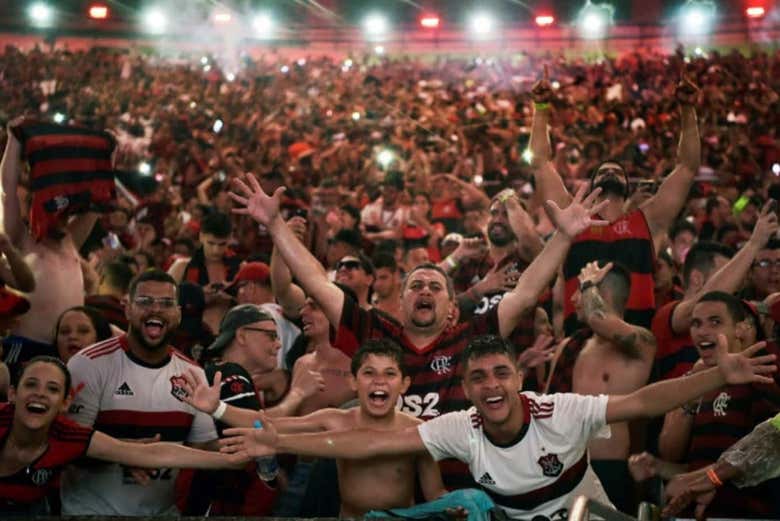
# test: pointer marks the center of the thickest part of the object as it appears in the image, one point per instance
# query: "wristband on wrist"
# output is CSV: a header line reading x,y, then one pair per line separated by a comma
x,y
219,412
587,285
452,263
544,105
713,476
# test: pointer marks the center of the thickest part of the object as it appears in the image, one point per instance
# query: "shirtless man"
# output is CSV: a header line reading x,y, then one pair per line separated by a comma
x,y
323,359
615,360
55,260
378,378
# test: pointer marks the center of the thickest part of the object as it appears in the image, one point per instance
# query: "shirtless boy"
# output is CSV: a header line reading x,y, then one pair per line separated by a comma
x,y
378,379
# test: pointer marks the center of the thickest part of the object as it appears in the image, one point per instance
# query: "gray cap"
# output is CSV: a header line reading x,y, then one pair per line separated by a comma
x,y
234,319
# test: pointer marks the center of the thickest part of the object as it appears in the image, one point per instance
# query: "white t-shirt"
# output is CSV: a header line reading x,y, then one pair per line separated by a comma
x,y
538,475
127,399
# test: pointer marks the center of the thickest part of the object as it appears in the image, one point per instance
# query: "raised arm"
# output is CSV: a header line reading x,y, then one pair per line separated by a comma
x,y
529,244
548,181
661,209
287,294
660,397
11,171
538,275
729,277
252,201
636,342
80,226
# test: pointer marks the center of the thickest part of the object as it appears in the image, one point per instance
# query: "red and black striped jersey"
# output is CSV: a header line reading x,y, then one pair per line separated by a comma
x,y
67,442
627,241
675,354
726,415
434,369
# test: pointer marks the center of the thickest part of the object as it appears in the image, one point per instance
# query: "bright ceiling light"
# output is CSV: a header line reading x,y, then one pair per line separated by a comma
x,y
40,14
482,24
375,25
155,20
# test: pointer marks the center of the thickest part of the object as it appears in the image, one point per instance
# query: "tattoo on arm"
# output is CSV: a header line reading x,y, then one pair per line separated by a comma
x,y
593,305
632,343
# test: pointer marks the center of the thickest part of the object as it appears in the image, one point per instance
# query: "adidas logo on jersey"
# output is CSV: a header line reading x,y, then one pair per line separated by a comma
x,y
124,390
486,479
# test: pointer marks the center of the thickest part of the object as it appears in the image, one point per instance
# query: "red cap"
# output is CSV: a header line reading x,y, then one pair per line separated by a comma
x,y
254,271
12,303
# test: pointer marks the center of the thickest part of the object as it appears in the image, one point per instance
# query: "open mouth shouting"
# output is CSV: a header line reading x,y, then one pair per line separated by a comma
x,y
154,329
378,398
706,349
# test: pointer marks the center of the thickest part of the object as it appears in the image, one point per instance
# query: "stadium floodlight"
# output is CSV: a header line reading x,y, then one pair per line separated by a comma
x,y
481,24
544,20
430,21
594,20
40,14
155,20
59,118
379,50
263,25
755,11
98,12
375,26
696,17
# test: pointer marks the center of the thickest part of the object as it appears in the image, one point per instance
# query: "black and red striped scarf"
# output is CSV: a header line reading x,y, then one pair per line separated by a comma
x,y
70,172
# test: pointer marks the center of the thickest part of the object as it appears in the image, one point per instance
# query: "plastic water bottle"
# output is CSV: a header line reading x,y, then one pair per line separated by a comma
x,y
267,467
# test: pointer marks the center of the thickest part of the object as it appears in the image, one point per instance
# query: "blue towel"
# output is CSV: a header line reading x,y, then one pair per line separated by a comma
x,y
477,503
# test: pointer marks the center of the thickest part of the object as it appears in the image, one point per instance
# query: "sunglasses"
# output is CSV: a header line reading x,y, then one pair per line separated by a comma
x,y
349,265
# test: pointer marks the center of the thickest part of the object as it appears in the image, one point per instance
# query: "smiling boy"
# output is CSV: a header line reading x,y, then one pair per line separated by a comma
x,y
379,379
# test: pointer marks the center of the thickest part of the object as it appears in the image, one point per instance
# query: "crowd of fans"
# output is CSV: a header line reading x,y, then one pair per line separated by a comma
x,y
415,208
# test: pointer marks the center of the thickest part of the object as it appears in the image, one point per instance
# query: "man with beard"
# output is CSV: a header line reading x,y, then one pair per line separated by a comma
x,y
512,245
632,238
130,387
429,332
54,262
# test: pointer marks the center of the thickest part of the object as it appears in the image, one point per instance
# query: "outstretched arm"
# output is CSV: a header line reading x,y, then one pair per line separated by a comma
x,y
157,455
658,398
548,181
661,209
351,444
252,201
536,277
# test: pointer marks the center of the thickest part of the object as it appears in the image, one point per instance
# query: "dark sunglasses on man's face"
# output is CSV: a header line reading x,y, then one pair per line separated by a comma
x,y
348,265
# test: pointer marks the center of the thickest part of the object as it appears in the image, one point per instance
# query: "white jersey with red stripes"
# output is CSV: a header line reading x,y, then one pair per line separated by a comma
x,y
118,394
539,474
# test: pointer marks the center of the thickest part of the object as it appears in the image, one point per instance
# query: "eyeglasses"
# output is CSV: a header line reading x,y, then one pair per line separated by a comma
x,y
272,335
349,265
766,263
148,302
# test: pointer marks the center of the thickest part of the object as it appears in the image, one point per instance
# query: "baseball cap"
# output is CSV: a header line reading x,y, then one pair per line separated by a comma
x,y
235,318
11,303
253,271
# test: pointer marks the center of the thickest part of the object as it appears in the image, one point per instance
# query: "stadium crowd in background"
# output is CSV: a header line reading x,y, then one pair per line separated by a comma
x,y
422,201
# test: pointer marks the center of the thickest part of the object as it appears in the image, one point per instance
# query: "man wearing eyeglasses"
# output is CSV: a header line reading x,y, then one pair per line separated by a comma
x,y
130,387
357,273
765,272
